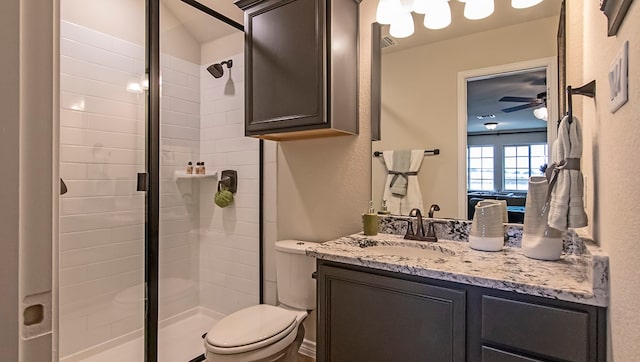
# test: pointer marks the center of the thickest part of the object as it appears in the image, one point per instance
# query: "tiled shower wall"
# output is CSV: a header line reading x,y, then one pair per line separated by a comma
x,y
229,255
102,216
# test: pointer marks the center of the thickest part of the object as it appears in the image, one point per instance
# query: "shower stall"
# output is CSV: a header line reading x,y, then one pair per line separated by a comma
x,y
147,261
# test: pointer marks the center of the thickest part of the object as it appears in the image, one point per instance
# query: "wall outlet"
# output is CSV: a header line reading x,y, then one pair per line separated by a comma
x,y
618,78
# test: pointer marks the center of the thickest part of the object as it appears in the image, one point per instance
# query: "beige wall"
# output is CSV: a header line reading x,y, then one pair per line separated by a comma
x,y
420,105
125,19
9,149
612,142
324,184
227,45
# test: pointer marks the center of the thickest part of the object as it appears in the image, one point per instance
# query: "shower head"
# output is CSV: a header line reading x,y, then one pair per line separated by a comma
x,y
217,70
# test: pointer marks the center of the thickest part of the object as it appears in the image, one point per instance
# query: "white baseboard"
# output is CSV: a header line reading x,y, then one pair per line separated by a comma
x,y
308,348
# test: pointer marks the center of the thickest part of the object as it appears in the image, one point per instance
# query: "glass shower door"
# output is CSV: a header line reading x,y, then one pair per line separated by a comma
x,y
102,148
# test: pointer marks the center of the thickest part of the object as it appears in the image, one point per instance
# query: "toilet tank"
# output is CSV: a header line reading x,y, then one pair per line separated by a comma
x,y
296,287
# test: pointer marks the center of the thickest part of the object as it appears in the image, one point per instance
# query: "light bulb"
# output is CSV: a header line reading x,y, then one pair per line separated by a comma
x,y
541,113
420,6
438,15
478,9
523,4
402,25
387,11
407,5
491,125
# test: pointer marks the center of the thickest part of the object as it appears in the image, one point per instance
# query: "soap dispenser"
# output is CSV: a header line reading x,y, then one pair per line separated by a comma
x,y
370,221
383,208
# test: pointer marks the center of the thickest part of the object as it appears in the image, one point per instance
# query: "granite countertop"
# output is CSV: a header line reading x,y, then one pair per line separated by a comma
x,y
580,278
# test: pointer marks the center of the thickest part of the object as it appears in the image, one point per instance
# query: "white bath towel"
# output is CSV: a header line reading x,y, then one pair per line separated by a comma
x,y
566,207
402,205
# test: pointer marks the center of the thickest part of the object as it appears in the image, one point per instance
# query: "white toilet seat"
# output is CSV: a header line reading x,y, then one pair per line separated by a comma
x,y
253,333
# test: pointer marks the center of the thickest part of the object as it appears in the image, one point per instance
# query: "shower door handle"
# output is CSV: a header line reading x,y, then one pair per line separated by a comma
x,y
63,187
142,181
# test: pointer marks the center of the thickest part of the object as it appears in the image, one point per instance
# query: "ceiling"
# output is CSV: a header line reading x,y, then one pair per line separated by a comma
x,y
503,15
483,99
203,27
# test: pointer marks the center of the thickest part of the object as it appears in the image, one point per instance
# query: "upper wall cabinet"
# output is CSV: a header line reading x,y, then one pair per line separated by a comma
x,y
301,68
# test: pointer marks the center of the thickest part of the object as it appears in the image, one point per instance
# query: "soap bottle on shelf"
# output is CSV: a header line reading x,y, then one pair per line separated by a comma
x,y
203,170
198,168
189,169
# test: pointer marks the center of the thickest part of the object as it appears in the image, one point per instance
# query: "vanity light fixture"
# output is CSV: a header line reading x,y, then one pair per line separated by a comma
x,y
523,4
402,25
437,13
478,9
387,11
486,116
491,125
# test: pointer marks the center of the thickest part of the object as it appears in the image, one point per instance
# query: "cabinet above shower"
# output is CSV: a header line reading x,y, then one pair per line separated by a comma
x,y
301,68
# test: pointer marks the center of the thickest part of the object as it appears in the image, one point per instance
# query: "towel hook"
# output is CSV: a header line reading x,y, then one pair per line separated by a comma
x,y
588,90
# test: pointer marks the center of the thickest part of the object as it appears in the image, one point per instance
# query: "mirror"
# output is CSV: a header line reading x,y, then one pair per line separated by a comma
x,y
424,84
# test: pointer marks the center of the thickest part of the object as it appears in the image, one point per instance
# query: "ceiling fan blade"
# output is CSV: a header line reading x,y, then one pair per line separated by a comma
x,y
521,107
516,99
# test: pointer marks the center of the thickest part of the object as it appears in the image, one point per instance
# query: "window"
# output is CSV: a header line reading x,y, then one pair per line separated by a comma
x,y
480,168
521,162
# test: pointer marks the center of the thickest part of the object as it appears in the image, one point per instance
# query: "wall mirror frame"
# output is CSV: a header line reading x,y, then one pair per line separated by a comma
x,y
455,161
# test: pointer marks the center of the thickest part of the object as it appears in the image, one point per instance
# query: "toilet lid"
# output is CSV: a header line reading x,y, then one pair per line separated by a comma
x,y
252,325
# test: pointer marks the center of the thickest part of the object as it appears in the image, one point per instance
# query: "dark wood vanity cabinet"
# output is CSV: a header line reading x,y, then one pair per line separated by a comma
x,y
356,324
301,68
370,315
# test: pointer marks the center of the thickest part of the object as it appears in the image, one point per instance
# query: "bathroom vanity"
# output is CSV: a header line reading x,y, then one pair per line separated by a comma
x,y
382,298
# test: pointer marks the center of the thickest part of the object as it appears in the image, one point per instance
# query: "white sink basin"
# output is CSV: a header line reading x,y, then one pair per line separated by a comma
x,y
408,251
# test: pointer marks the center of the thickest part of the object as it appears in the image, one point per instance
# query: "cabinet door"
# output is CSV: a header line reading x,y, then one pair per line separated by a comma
x,y
285,72
495,355
550,331
367,317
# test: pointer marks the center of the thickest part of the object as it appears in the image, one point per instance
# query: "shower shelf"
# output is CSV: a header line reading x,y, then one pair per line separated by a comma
x,y
179,175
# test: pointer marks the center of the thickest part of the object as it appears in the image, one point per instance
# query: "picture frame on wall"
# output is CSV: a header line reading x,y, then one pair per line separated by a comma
x,y
615,11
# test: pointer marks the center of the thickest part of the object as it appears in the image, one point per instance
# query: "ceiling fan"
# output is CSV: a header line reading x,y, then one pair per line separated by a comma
x,y
539,100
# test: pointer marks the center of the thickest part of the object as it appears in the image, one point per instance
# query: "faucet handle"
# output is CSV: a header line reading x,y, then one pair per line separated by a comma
x,y
433,209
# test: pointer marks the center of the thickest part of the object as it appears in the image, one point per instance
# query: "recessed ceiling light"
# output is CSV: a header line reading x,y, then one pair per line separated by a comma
x,y
491,125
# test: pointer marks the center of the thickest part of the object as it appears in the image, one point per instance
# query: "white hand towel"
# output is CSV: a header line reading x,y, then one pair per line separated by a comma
x,y
566,208
402,205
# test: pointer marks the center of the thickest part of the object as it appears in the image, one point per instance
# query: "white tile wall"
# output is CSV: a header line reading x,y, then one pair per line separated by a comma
x,y
229,275
208,255
102,140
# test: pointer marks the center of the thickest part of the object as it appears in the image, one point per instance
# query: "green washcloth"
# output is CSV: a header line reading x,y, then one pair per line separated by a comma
x,y
223,198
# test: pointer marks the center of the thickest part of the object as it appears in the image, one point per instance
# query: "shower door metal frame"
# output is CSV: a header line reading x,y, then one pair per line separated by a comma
x,y
152,195
152,187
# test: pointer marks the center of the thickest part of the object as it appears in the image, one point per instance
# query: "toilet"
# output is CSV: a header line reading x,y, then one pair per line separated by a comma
x,y
265,332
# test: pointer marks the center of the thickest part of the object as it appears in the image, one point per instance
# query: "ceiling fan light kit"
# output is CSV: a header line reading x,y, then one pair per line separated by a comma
x,y
491,125
437,13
